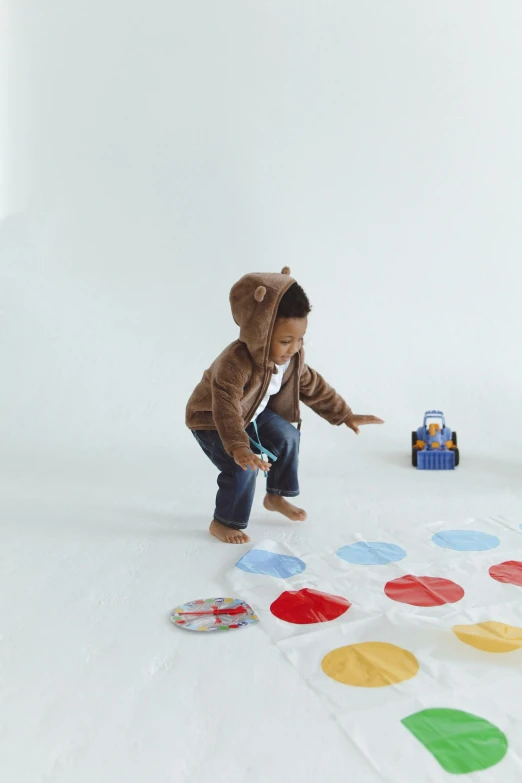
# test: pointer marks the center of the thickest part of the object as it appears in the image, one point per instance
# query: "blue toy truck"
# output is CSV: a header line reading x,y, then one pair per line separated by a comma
x,y
434,445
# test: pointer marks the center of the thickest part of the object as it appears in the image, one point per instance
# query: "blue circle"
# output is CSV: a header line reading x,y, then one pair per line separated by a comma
x,y
260,561
465,540
371,553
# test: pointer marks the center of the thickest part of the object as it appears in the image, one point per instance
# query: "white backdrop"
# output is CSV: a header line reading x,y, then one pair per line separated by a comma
x,y
155,155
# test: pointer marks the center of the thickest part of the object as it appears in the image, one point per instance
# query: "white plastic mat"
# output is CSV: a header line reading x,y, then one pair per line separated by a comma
x,y
462,658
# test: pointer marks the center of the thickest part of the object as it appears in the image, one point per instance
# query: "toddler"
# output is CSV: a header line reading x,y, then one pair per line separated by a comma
x,y
244,409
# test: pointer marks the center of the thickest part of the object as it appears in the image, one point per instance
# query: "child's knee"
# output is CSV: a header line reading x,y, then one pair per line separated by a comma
x,y
291,439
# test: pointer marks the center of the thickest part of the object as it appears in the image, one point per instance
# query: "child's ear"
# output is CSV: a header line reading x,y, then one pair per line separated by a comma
x,y
260,293
285,271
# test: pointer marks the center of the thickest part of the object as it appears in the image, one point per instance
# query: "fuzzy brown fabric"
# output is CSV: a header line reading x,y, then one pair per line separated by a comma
x,y
233,387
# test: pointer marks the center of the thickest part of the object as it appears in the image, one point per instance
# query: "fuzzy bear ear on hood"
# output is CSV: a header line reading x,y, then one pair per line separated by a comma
x,y
254,301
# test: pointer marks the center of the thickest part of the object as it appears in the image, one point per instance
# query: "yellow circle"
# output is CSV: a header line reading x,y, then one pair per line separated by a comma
x,y
370,664
490,636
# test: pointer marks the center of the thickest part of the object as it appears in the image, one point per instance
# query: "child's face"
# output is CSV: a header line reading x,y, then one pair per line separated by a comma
x,y
287,338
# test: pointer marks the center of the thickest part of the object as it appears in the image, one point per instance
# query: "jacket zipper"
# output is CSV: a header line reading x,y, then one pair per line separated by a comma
x,y
260,399
296,392
265,389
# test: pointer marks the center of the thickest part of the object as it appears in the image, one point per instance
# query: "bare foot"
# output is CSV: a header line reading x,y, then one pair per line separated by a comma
x,y
228,534
280,504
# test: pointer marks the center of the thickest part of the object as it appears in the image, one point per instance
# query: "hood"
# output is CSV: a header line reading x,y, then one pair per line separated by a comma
x,y
254,301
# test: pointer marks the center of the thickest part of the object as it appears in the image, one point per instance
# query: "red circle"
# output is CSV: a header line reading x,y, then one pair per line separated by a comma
x,y
423,590
509,572
309,606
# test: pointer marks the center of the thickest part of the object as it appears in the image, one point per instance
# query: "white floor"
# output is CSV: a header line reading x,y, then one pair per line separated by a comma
x,y
97,685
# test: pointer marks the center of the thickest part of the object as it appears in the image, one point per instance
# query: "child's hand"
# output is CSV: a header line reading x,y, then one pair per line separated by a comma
x,y
245,458
355,421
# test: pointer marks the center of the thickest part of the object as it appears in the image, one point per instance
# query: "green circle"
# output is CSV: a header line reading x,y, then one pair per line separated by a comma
x,y
460,742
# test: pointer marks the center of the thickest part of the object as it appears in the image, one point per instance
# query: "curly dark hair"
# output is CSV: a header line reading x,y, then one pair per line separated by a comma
x,y
294,304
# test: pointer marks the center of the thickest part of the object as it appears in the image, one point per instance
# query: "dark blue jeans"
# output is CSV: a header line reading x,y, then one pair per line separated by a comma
x,y
237,486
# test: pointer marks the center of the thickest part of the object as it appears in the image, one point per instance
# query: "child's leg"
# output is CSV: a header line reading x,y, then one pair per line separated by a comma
x,y
283,439
235,494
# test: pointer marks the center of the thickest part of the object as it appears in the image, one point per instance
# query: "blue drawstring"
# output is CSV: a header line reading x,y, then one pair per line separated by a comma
x,y
260,447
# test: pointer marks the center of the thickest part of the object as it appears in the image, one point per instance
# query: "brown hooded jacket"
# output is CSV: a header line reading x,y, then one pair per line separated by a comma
x,y
233,387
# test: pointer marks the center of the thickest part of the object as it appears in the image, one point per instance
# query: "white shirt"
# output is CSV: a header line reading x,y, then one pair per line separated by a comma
x,y
274,387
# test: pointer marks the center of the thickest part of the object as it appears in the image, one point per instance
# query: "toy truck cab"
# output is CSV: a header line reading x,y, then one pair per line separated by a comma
x,y
434,445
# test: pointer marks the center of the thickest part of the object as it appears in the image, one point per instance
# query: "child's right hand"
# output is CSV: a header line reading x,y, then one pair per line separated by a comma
x,y
245,458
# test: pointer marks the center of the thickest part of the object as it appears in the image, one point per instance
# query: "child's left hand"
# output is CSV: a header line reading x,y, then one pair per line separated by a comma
x,y
355,421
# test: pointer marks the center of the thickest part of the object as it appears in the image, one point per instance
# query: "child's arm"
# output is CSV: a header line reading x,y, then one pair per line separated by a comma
x,y
322,398
227,383
327,403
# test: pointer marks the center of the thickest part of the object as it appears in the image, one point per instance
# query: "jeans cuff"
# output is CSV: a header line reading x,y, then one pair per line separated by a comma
x,y
284,493
232,525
